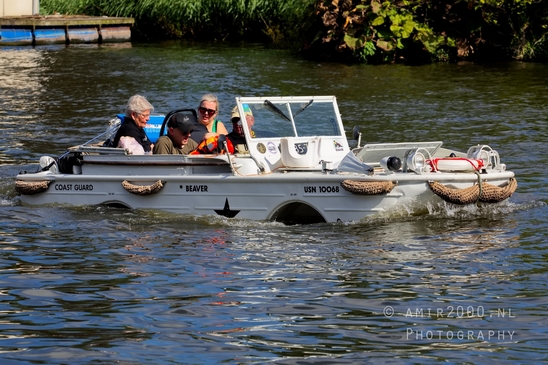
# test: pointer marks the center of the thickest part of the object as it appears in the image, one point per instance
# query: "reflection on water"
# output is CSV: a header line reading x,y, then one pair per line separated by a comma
x,y
98,284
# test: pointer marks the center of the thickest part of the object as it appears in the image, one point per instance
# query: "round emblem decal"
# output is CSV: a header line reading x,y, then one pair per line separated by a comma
x,y
261,148
272,148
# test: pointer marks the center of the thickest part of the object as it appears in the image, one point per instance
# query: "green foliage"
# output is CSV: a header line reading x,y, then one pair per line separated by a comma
x,y
371,31
418,31
502,29
88,7
376,31
431,41
203,19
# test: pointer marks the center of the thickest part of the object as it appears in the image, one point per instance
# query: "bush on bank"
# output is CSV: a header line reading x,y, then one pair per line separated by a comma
x,y
366,31
255,20
424,31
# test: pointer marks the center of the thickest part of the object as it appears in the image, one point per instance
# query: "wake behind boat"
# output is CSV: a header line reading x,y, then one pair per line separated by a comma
x,y
295,167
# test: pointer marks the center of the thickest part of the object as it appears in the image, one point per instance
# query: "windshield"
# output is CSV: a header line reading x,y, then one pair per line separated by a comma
x,y
290,117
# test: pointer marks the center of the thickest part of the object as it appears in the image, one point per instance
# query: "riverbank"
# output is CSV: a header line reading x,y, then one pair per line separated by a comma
x,y
350,31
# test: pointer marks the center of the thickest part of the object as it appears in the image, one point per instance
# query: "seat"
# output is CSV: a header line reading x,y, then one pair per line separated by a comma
x,y
298,152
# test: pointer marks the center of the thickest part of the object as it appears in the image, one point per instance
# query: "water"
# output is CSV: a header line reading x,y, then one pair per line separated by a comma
x,y
104,285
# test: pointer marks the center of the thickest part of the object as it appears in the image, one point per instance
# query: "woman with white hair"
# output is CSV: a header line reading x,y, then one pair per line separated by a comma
x,y
138,111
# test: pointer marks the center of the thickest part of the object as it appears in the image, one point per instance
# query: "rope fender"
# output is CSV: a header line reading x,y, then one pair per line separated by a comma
x,y
31,187
143,189
368,187
484,192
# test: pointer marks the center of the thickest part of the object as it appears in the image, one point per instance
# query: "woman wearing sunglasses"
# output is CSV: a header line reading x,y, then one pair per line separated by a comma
x,y
207,111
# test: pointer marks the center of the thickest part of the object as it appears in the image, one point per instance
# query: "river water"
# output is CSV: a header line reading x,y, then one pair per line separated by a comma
x,y
105,285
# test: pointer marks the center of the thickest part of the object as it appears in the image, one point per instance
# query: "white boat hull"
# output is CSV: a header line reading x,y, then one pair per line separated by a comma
x,y
276,197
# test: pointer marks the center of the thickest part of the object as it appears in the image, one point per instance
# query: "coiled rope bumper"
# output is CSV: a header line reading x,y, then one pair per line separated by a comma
x,y
143,189
368,187
31,187
481,192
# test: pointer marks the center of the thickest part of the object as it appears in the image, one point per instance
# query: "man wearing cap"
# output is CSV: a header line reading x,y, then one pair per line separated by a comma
x,y
237,135
177,141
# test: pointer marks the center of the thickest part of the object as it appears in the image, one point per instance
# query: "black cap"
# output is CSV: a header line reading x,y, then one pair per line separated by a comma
x,y
183,122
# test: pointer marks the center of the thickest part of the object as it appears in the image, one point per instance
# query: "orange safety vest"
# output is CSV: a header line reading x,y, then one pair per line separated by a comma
x,y
211,145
